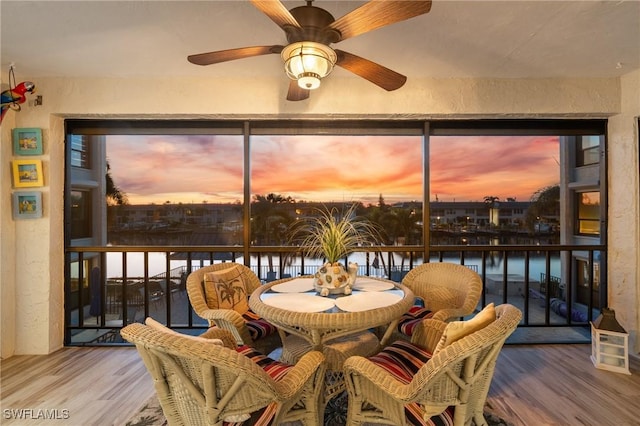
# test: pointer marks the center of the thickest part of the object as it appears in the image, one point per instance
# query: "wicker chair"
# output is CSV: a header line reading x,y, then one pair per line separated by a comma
x,y
267,338
200,383
454,381
447,291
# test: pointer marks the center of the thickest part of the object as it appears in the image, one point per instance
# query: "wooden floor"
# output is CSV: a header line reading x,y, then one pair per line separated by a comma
x,y
533,385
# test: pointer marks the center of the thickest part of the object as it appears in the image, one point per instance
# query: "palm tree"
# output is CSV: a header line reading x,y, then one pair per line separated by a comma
x,y
382,216
114,195
544,202
269,221
406,221
406,224
490,200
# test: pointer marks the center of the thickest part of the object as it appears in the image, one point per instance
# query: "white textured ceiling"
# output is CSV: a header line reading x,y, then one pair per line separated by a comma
x,y
502,39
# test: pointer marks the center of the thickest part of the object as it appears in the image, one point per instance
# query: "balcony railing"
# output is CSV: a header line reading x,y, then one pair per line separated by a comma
x,y
107,287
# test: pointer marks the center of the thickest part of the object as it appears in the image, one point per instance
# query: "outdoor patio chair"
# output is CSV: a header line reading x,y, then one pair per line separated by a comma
x,y
205,381
444,291
442,372
219,293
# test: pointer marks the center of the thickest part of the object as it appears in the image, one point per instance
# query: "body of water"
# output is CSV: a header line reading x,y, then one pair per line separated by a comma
x,y
494,265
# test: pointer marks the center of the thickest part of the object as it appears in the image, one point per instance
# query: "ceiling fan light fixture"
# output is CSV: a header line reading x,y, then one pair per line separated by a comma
x,y
309,80
308,62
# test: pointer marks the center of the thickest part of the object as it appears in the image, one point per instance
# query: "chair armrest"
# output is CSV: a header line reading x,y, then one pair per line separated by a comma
x,y
449,314
228,339
230,320
428,333
379,378
428,384
309,365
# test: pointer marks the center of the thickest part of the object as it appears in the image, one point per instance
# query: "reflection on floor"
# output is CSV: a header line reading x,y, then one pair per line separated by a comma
x,y
540,335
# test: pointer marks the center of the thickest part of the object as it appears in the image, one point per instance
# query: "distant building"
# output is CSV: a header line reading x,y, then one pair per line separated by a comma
x,y
228,217
478,214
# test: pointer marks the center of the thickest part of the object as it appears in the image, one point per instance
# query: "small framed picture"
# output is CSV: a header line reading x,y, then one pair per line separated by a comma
x,y
27,141
27,173
27,205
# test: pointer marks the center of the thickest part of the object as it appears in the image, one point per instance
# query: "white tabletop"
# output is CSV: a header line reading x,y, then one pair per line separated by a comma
x,y
295,309
299,295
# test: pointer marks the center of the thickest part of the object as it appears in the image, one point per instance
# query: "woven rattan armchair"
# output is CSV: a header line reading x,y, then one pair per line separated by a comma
x,y
200,383
455,380
447,291
228,319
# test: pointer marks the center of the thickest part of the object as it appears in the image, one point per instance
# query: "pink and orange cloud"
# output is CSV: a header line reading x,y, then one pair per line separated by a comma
x,y
197,168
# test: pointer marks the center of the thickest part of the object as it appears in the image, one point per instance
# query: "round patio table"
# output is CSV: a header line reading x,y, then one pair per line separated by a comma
x,y
298,315
337,325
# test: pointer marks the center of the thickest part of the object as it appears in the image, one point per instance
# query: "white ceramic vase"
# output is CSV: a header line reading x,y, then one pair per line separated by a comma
x,y
332,278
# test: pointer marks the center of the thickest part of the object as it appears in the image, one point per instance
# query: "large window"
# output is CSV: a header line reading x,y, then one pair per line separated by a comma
x,y
80,151
190,182
177,189
81,214
587,150
588,209
480,185
296,175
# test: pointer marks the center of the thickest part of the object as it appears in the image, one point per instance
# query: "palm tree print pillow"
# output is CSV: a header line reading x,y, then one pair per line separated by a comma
x,y
225,289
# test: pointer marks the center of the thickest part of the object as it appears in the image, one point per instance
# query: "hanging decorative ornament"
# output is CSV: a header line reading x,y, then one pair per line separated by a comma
x,y
15,95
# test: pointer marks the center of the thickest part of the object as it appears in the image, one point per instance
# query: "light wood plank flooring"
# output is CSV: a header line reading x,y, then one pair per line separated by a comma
x,y
533,385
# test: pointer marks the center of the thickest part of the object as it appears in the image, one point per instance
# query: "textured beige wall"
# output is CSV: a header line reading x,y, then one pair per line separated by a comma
x,y
36,288
7,242
624,210
444,97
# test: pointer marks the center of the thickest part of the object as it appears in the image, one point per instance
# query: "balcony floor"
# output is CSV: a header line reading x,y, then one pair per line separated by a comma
x,y
533,385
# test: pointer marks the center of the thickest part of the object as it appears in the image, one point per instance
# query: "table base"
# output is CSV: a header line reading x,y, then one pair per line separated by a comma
x,y
336,352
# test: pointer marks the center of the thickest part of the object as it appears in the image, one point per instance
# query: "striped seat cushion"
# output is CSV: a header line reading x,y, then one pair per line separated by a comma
x,y
410,320
403,360
258,327
276,370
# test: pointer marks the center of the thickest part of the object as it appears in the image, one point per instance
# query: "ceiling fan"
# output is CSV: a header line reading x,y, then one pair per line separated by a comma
x,y
311,30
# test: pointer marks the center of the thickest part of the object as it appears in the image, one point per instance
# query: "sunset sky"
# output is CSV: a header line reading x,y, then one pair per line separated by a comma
x,y
193,169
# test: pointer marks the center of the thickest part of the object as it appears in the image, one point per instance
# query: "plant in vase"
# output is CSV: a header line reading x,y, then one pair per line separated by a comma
x,y
333,235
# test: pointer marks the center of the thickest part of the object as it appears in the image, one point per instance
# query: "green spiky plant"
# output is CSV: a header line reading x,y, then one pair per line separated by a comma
x,y
333,235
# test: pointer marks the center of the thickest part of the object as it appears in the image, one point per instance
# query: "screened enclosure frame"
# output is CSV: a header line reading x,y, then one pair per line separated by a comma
x,y
247,128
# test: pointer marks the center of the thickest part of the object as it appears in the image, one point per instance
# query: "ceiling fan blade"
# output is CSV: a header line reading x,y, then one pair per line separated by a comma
x,y
278,13
232,54
296,93
377,74
376,14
